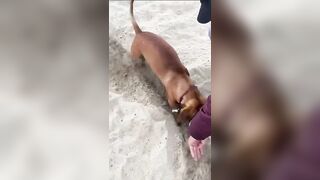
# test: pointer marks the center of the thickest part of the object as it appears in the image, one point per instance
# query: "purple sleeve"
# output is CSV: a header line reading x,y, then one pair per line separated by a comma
x,y
200,126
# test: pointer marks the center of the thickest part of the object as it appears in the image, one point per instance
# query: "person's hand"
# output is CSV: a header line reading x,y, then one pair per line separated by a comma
x,y
196,148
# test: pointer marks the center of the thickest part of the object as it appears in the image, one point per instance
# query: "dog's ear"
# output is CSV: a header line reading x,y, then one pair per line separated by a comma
x,y
186,113
189,110
183,115
186,109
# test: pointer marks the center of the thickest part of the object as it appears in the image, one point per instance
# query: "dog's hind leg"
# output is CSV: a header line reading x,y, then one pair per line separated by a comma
x,y
135,51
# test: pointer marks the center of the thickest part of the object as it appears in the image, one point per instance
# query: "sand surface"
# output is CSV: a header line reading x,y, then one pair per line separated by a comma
x,y
144,139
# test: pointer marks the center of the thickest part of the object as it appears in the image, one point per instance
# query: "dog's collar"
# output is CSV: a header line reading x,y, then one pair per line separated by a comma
x,y
178,109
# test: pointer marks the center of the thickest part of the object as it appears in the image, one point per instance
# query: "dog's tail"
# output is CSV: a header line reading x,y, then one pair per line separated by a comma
x,y
133,20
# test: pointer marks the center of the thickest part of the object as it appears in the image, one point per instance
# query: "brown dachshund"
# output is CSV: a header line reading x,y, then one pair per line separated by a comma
x,y
165,63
